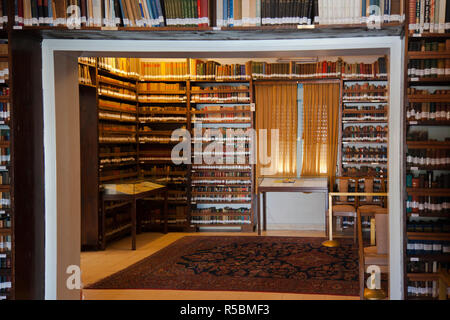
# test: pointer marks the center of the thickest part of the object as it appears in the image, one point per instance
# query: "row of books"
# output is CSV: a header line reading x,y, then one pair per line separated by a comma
x,y
84,75
117,139
5,262
202,13
4,177
220,182
115,128
427,205
160,86
112,91
5,286
89,13
5,156
158,109
3,12
5,200
126,67
204,70
5,243
427,247
4,71
122,117
232,118
5,221
426,45
222,219
423,289
428,157
428,111
429,16
197,69
116,106
426,266
5,111
117,160
432,68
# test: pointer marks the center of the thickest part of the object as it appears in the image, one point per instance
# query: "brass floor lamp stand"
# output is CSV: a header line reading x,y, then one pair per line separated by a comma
x,y
330,243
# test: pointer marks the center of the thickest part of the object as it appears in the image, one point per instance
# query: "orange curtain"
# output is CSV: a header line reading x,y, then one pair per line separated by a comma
x,y
320,129
276,108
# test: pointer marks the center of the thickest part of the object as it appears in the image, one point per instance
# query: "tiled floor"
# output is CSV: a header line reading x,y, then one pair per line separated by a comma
x,y
97,265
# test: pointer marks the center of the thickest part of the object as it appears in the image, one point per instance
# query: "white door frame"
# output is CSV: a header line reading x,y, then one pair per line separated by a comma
x,y
394,45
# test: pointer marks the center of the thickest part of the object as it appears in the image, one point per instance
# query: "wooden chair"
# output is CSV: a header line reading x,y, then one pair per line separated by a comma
x,y
343,210
377,254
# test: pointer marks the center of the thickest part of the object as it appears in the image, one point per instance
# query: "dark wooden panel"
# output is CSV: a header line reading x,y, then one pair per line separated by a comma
x,y
236,33
28,149
89,168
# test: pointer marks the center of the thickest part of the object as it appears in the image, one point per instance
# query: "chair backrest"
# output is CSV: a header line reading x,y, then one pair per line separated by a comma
x,y
343,187
382,232
368,187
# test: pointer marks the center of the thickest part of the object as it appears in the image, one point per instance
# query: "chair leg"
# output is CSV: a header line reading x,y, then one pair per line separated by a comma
x,y
361,283
355,221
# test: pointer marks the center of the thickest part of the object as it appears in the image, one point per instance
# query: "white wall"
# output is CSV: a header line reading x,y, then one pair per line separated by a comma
x,y
55,193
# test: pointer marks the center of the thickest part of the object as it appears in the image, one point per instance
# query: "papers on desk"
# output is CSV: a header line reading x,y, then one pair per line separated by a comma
x,y
296,182
286,181
132,188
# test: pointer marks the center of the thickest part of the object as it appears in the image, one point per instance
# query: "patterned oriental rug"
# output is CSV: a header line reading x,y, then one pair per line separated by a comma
x,y
244,263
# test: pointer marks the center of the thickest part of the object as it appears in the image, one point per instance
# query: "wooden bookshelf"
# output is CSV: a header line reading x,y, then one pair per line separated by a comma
x,y
176,176
222,119
428,98
428,144
414,40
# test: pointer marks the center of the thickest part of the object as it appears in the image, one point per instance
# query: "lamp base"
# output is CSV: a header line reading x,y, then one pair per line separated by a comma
x,y
331,243
374,294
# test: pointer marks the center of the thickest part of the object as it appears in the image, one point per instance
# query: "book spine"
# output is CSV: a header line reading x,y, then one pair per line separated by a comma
x,y
83,12
258,12
417,15
20,13
412,15
426,24
40,12
34,13
231,13
447,15
152,12
421,16
160,15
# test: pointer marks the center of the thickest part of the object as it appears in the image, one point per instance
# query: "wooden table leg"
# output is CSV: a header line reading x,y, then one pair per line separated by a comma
x,y
133,224
165,211
103,226
258,214
264,212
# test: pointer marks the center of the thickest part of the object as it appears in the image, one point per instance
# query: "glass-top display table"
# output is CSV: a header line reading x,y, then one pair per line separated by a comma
x,y
131,191
276,184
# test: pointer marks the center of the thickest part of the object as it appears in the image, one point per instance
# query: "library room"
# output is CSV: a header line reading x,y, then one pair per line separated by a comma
x,y
186,161
224,150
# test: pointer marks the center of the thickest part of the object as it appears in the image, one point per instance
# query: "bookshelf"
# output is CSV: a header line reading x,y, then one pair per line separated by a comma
x,y
163,107
364,130
222,192
117,124
427,146
363,134
204,14
7,216
108,113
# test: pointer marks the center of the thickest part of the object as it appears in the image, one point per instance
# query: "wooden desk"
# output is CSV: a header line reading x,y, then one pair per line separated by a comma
x,y
131,192
305,184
